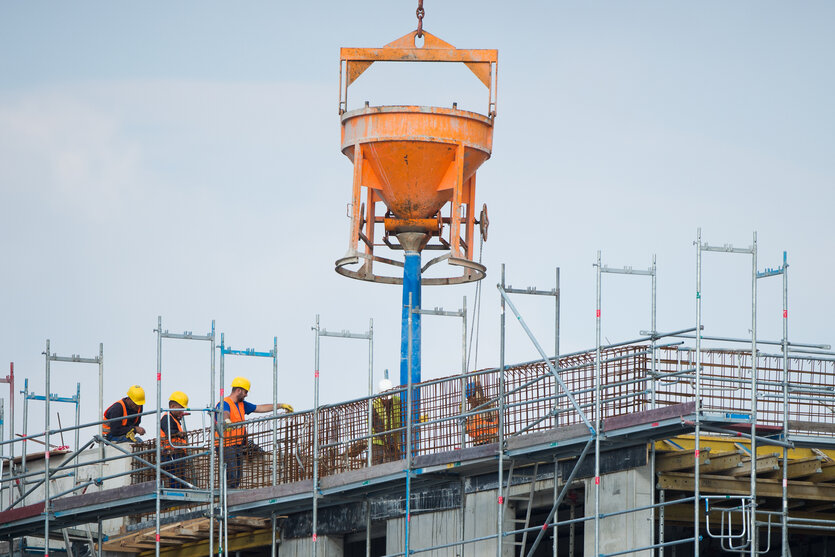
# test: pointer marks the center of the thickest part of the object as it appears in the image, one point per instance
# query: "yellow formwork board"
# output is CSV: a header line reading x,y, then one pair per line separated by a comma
x,y
718,444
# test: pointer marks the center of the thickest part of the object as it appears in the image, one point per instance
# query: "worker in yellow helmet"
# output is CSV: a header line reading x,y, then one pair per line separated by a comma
x,y
235,409
129,408
173,437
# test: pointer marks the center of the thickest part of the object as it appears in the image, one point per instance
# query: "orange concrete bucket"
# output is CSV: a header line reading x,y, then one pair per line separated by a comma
x,y
419,162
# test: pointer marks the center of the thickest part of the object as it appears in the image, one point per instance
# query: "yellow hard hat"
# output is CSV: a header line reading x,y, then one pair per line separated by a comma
x,y
241,382
137,395
180,398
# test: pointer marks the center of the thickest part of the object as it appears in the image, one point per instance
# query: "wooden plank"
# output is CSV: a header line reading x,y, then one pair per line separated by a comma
x,y
238,542
798,425
649,416
765,463
827,474
681,460
741,486
800,468
107,496
720,462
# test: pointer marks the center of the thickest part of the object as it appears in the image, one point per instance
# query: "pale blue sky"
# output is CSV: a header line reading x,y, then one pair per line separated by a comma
x,y
183,159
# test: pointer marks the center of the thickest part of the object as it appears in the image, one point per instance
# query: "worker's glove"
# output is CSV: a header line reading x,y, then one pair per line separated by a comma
x,y
286,407
227,421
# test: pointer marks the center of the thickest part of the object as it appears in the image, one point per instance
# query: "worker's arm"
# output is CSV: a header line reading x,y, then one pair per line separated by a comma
x,y
261,408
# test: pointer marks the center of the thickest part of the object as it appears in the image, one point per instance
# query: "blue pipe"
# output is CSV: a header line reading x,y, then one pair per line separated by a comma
x,y
411,285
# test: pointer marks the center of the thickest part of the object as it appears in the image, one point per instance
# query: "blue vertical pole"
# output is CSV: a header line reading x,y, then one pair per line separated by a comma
x,y
411,285
411,290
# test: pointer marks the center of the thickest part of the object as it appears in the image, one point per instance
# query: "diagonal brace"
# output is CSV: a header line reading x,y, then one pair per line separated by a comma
x,y
547,361
561,496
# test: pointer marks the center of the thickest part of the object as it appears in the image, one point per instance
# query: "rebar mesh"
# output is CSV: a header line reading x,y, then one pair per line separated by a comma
x,y
533,402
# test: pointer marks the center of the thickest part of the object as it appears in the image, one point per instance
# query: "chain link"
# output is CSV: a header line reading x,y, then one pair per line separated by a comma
x,y
420,12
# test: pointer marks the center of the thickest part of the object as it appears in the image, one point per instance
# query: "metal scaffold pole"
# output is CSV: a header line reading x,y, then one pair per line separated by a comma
x,y
370,430
157,462
651,272
221,442
315,441
755,539
213,417
698,394
500,500
784,508
597,419
409,435
275,440
46,508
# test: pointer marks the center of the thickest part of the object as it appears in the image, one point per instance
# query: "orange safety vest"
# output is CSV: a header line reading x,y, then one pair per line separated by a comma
x,y
233,435
174,441
106,426
483,428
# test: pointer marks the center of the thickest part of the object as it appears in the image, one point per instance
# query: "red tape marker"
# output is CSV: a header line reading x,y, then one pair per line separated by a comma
x,y
314,538
501,500
597,480
785,314
157,537
598,313
697,453
316,374
159,376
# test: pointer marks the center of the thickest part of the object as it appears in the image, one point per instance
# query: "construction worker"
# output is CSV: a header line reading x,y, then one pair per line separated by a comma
x,y
385,421
129,409
174,439
235,409
482,428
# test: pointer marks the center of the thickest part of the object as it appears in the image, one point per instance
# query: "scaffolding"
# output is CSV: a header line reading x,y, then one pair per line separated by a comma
x,y
656,390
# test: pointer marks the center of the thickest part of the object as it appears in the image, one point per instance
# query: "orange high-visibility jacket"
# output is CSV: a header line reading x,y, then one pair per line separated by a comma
x,y
118,429
233,435
174,440
483,428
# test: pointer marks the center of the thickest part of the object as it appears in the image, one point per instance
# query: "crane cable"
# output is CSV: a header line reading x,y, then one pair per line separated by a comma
x,y
474,328
420,12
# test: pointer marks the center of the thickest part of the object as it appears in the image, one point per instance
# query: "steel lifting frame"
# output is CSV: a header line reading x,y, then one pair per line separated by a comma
x,y
51,357
784,508
462,313
251,352
534,291
653,332
187,335
10,380
752,251
369,336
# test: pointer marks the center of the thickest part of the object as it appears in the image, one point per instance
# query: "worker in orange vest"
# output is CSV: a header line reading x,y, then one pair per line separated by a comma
x,y
483,428
129,409
174,439
235,409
